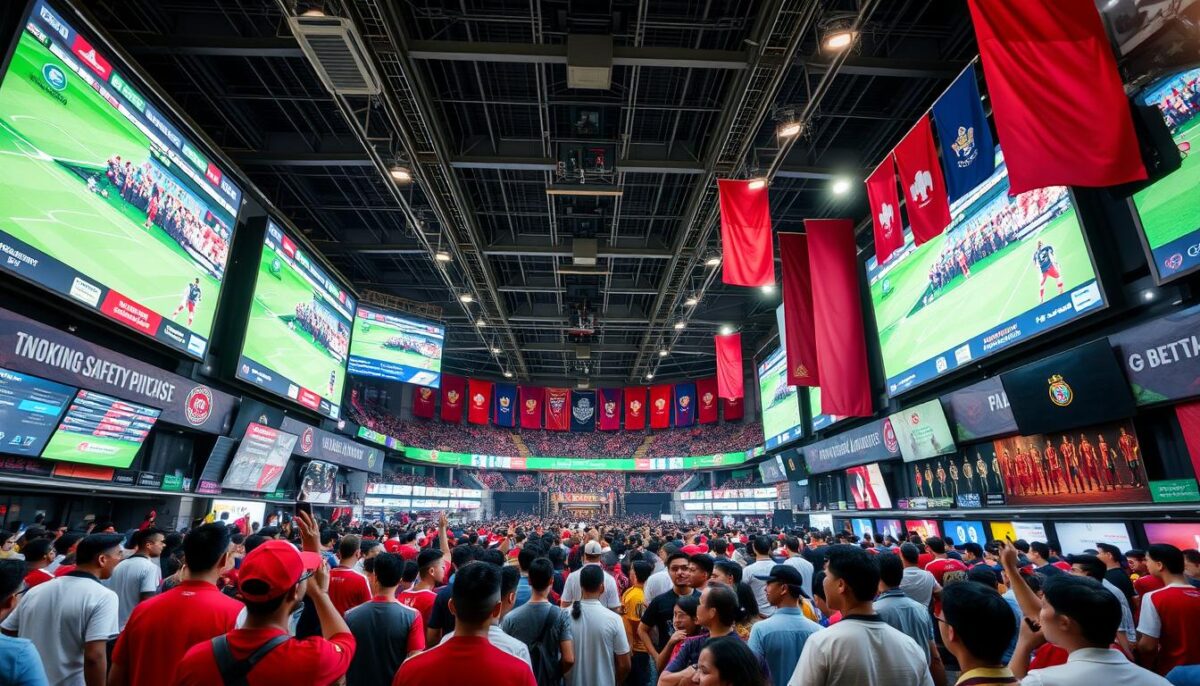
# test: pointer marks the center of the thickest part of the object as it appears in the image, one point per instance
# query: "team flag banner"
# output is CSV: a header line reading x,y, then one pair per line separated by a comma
x,y
660,406
423,402
837,318
505,412
610,410
1079,387
729,366
706,399
480,393
531,406
635,407
747,258
968,154
799,338
733,409
885,210
1056,95
685,404
924,188
583,410
558,414
453,389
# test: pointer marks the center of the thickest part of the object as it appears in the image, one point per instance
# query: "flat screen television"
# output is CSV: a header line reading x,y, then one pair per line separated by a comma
x,y
1182,535
105,201
230,511
30,408
861,527
396,347
891,527
824,522
924,527
318,481
1075,537
772,470
1020,266
819,419
1028,531
260,460
100,430
923,432
298,332
966,531
867,488
780,402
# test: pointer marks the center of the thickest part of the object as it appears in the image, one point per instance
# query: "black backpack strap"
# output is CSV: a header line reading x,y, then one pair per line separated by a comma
x,y
234,672
548,623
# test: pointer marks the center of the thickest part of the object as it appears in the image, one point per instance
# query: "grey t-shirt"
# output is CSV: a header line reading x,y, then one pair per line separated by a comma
x,y
525,624
132,577
383,633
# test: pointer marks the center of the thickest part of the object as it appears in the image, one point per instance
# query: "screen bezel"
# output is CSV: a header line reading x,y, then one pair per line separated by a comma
x,y
801,425
402,315
57,420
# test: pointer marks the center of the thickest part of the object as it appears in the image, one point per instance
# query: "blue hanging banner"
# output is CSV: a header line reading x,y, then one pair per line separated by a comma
x,y
583,410
968,154
685,404
505,411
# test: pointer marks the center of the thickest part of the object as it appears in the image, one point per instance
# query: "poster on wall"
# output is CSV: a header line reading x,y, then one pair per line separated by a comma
x,y
1098,464
950,481
867,488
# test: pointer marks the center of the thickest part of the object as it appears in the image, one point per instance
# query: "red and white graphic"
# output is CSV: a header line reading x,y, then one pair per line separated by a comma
x,y
885,210
130,313
198,405
88,55
921,176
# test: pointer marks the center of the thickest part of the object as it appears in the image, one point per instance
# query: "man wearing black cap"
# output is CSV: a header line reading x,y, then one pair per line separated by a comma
x,y
779,640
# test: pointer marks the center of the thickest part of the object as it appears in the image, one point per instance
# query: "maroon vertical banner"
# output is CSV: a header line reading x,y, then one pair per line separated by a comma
x,y
453,390
635,408
837,318
885,210
609,418
479,395
558,409
660,406
1189,420
745,234
730,382
798,311
531,407
925,197
706,400
1056,95
734,409
423,402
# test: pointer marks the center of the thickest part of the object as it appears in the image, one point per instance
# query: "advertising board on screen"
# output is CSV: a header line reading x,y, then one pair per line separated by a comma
x,y
105,202
318,482
923,431
867,488
298,332
821,521
891,527
780,402
819,419
1016,531
29,410
1182,535
392,346
860,527
772,470
965,531
260,460
100,430
923,527
1020,266
1076,537
948,481
232,510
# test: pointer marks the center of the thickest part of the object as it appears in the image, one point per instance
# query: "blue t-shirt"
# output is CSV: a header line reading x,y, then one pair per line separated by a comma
x,y
524,592
20,664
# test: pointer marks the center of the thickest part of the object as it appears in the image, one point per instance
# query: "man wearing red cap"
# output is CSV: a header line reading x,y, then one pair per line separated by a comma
x,y
273,579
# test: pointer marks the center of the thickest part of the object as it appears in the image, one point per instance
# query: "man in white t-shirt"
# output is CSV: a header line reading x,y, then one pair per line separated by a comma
x,y
138,576
796,559
601,645
761,567
571,591
70,619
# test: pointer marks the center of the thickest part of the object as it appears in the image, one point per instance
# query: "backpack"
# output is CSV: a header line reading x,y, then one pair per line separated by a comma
x,y
233,671
547,668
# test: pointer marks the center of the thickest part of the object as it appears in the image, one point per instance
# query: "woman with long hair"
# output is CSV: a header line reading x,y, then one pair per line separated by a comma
x,y
727,661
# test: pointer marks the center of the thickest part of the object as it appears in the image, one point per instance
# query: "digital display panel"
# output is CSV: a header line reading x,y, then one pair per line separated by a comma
x,y
966,531
29,411
234,510
860,527
867,488
1020,266
298,333
1029,531
891,527
772,470
104,201
923,432
101,430
821,521
780,402
924,527
260,460
1181,535
1076,537
819,419
388,345
318,482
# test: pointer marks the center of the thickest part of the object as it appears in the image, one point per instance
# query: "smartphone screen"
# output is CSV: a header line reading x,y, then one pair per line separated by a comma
x,y
302,506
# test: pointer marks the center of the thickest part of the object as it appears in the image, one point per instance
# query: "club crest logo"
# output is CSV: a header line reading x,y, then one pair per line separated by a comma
x,y
635,407
55,77
963,146
914,419
583,410
660,404
1174,261
478,399
685,401
504,402
707,398
531,405
452,397
426,393
557,402
921,186
372,457
610,408
307,439
801,372
887,215
889,437
1061,393
198,405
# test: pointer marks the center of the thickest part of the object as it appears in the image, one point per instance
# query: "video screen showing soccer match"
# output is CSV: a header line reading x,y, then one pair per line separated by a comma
x,y
390,346
298,332
1020,266
780,402
819,420
1168,210
104,202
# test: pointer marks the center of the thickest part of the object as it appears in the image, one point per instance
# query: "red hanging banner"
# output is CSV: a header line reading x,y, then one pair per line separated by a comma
x,y
885,210
1189,420
609,417
660,406
925,198
706,399
745,234
1056,95
729,366
558,409
733,410
453,390
837,318
798,311
531,407
480,394
423,402
635,407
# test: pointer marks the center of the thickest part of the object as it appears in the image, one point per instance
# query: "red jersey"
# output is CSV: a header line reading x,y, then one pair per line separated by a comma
x,y
347,589
939,567
313,660
1171,614
409,552
37,576
1146,584
392,545
64,570
421,601
924,559
162,629
433,667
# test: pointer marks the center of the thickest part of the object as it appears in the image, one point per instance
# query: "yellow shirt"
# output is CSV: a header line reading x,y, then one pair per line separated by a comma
x,y
633,603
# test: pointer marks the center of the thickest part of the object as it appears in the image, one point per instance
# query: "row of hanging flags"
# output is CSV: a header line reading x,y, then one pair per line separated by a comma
x,y
563,409
1062,118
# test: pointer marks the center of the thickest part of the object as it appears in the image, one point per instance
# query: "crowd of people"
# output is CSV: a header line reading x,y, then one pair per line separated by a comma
x,y
395,476
707,439
750,480
581,482
316,321
666,482
582,443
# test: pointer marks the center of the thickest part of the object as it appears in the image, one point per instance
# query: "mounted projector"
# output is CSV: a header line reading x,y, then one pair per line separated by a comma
x,y
589,62
337,52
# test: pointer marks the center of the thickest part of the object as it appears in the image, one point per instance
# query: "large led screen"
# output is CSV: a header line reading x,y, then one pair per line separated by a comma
x,y
260,459
104,201
780,402
922,431
1179,534
29,410
819,419
101,430
391,346
1168,211
867,488
1020,266
298,332
1076,537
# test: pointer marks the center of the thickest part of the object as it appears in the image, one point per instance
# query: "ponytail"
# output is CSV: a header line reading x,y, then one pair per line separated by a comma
x,y
576,610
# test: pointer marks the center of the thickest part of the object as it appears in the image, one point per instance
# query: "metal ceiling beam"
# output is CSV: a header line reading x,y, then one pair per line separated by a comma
x,y
859,65
265,158
615,252
210,46
505,163
523,53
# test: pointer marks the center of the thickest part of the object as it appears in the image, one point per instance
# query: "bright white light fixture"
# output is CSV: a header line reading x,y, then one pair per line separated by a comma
x,y
442,256
466,298
496,351
787,129
664,352
507,374
726,329
649,375
481,322
691,301
838,40
767,288
756,184
713,261
840,186
680,325
400,173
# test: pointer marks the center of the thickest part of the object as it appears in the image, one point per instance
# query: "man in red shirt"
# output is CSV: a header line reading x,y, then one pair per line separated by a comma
x,y
476,605
1167,635
347,587
940,564
274,578
39,553
162,629
392,544
430,574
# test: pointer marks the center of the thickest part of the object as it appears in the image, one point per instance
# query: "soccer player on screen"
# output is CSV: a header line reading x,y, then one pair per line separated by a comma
x,y
1048,264
332,382
191,298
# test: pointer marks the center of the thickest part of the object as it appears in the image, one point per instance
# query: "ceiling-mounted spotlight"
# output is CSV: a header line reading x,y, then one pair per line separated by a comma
x,y
496,350
767,288
713,261
756,184
649,375
310,9
726,329
840,186
442,256
466,298
664,352
680,325
481,323
787,124
839,40
400,173
837,31
691,301
508,374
